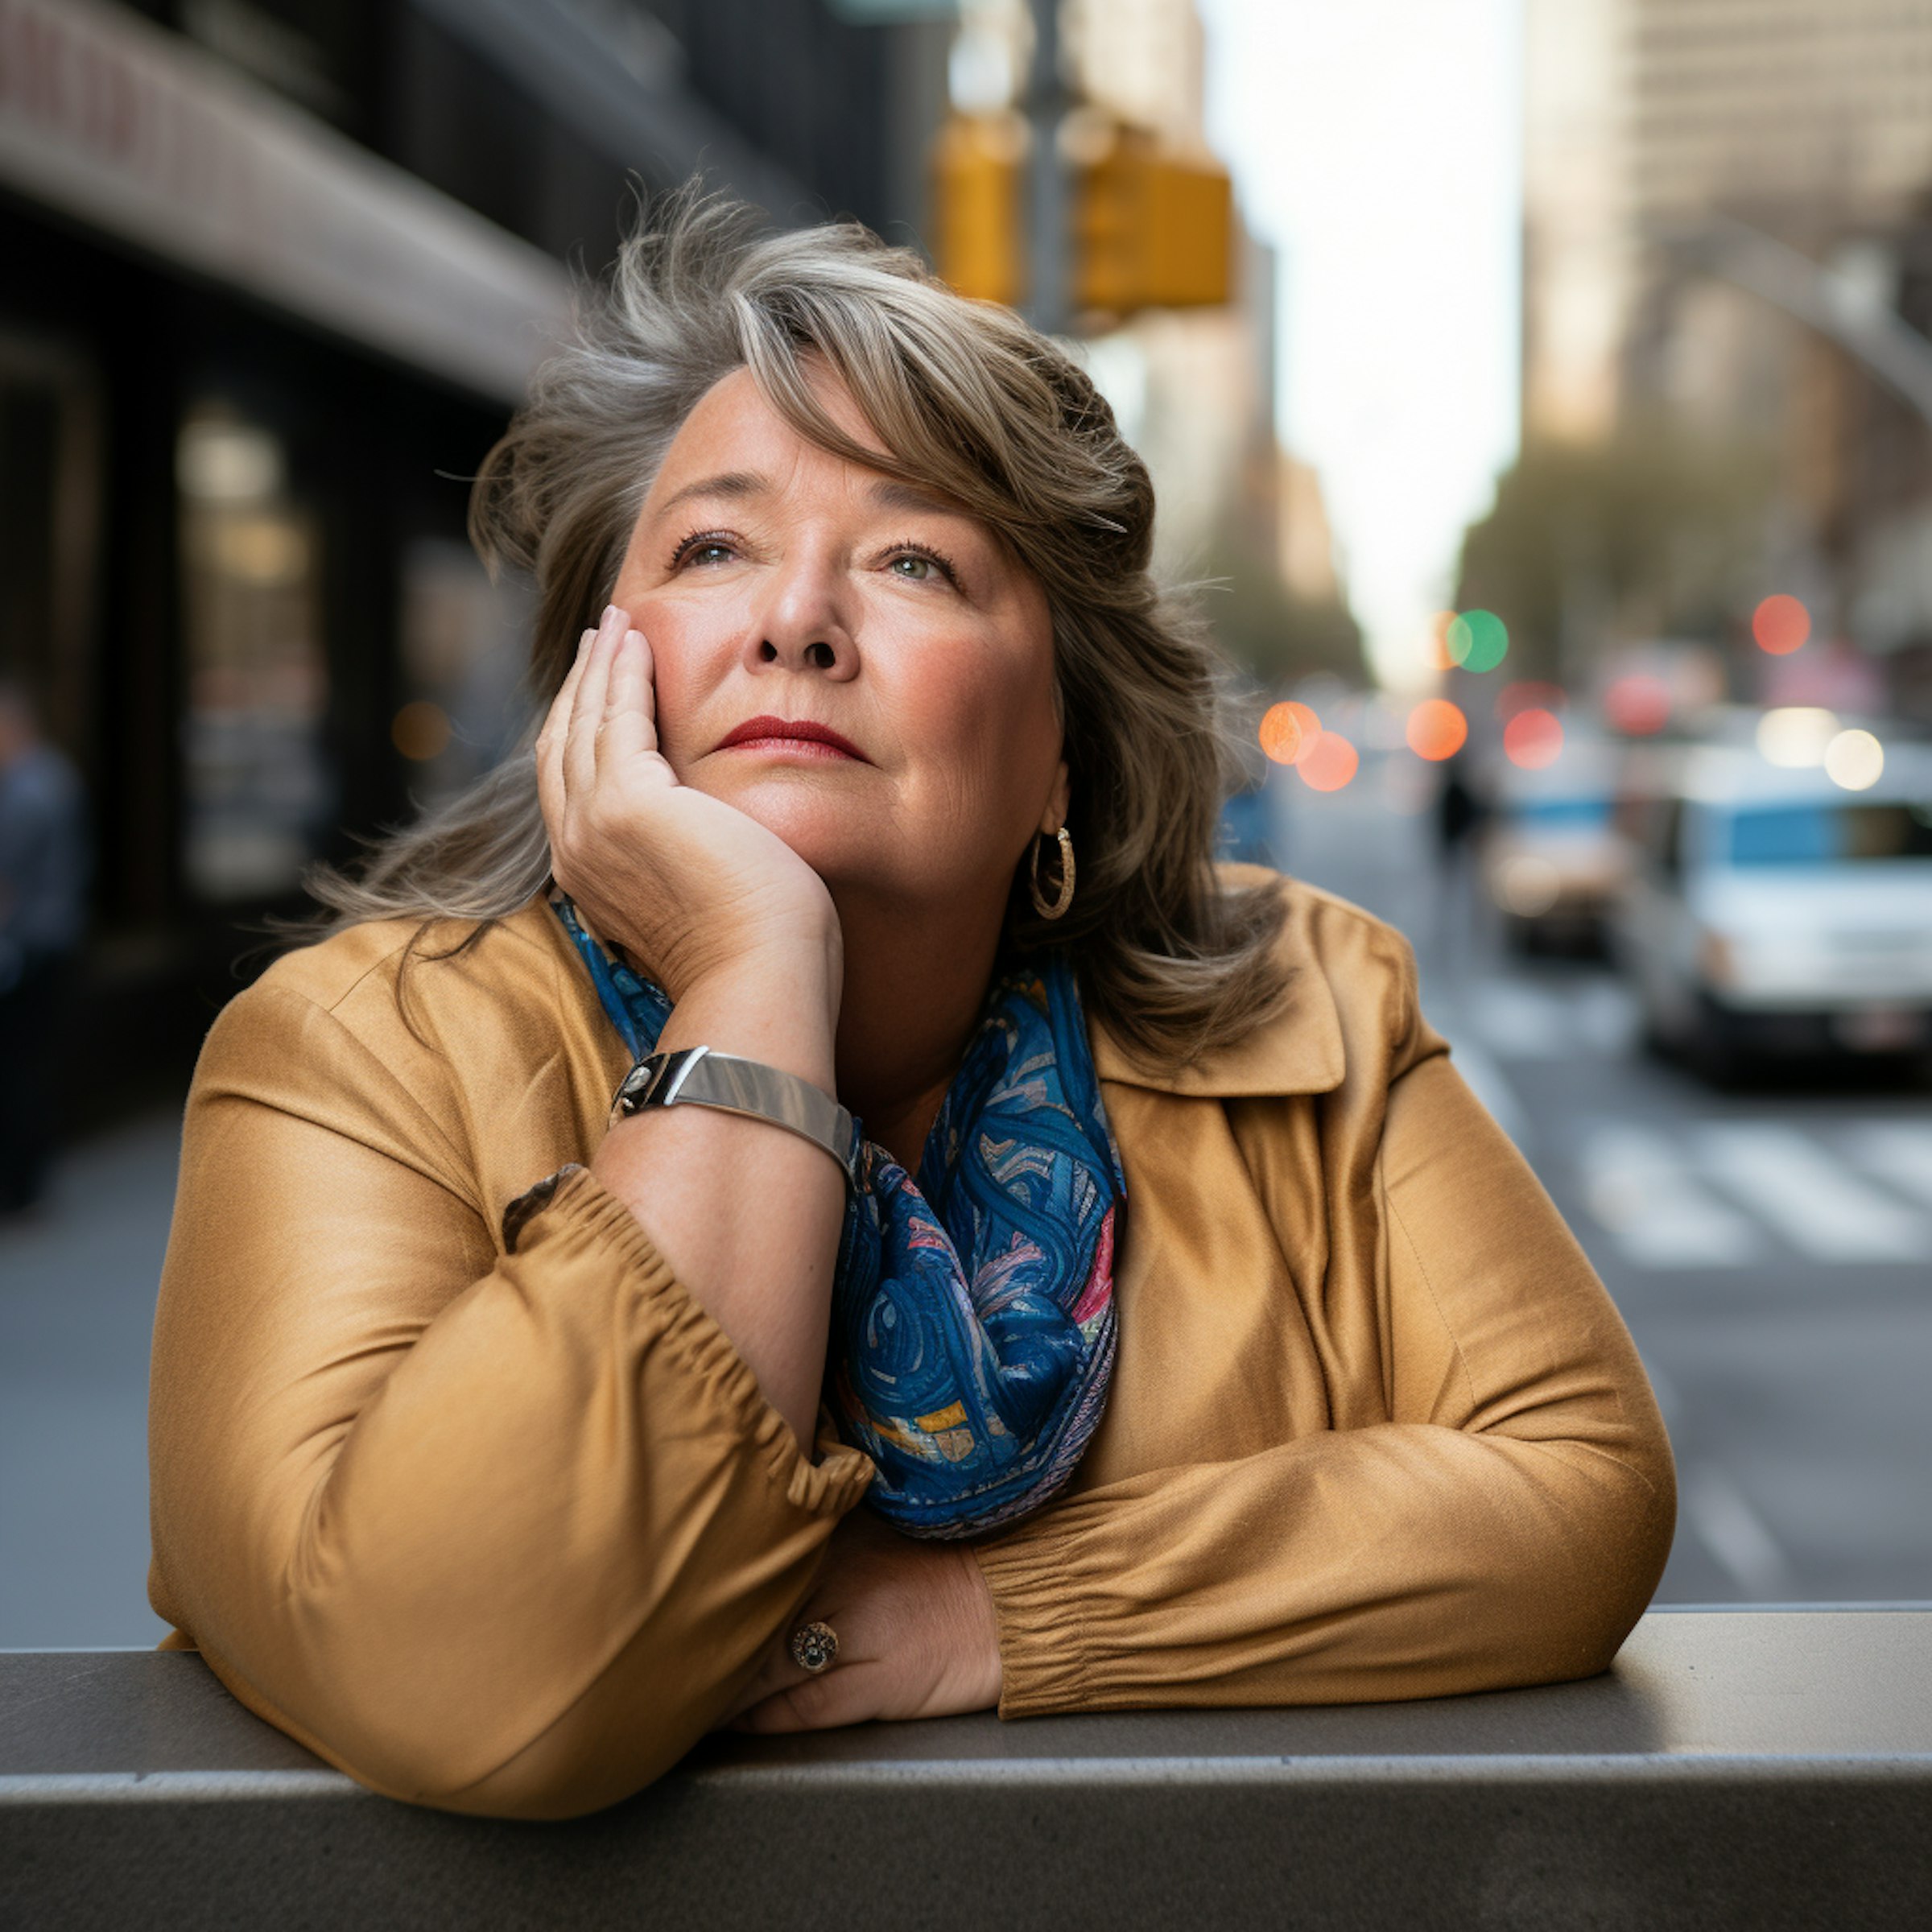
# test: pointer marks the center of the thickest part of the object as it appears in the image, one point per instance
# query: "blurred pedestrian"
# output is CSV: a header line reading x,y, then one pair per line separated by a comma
x,y
44,867
1459,812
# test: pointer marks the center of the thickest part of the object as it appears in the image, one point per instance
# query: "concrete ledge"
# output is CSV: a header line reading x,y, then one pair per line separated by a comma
x,y
1761,1768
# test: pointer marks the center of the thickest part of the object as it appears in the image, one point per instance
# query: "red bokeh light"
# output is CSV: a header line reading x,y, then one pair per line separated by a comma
x,y
1638,703
1534,738
1523,692
1329,763
1436,729
1781,624
1288,732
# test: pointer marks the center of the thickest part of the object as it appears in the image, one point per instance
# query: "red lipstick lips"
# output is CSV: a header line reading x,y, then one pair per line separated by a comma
x,y
772,732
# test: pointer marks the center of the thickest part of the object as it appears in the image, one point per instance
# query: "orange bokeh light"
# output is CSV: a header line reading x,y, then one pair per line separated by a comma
x,y
1288,732
1329,763
1440,658
1781,624
1534,738
1436,729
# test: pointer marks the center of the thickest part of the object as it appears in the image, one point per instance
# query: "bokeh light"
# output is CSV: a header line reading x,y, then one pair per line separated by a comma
x,y
420,731
1781,624
1794,735
1637,704
1478,641
1528,885
1288,732
1519,694
1439,657
1855,760
1436,729
1329,763
1534,738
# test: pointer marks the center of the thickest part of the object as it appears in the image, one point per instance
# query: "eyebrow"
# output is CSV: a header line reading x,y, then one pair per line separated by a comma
x,y
891,494
736,484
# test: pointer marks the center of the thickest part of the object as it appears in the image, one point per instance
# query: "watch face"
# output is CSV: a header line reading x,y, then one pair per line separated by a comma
x,y
636,1085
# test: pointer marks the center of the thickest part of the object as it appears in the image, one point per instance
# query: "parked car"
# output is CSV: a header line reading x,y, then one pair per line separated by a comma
x,y
1769,912
1553,855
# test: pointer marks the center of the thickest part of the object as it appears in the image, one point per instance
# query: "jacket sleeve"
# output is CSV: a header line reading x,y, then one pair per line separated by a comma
x,y
503,1533
1500,1520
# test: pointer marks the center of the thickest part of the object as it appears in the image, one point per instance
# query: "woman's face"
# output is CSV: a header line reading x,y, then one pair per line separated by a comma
x,y
780,586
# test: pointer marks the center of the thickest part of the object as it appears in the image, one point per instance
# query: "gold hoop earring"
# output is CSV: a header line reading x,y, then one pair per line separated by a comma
x,y
1064,898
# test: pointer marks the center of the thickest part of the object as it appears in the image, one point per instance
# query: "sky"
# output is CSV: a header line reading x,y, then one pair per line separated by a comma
x,y
1376,143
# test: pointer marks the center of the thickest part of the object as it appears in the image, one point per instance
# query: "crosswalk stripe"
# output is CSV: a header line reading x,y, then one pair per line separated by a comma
x,y
1808,1195
1899,1152
1519,1020
1660,1216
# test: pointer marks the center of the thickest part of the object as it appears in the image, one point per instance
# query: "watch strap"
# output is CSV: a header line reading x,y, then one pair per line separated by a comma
x,y
697,1076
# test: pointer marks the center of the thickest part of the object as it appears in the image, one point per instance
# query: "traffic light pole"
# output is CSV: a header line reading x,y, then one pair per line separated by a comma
x,y
1049,228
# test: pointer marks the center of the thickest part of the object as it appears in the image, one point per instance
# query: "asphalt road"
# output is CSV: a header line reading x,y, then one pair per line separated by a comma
x,y
1771,1250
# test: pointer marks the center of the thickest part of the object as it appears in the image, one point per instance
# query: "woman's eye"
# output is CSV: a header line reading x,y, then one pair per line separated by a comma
x,y
916,569
707,553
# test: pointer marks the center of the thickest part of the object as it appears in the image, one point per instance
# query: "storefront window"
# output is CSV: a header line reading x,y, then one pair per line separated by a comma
x,y
259,791
50,527
465,642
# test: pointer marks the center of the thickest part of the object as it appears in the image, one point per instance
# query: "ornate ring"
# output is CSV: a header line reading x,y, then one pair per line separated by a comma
x,y
815,1647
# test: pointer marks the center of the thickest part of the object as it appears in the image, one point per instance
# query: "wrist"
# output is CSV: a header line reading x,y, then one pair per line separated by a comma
x,y
779,1005
980,1647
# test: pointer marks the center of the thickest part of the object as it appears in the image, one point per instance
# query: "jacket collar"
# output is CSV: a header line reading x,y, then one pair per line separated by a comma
x,y
1297,1049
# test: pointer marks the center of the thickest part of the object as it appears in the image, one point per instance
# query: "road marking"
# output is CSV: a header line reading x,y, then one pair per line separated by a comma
x,y
1659,1214
1809,1196
1610,1018
1899,1152
1519,1020
1734,1533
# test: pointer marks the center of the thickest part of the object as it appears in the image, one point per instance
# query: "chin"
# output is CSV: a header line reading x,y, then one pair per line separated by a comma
x,y
839,837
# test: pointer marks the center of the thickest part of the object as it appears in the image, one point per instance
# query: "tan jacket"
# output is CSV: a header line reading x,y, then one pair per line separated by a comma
x,y
507,1533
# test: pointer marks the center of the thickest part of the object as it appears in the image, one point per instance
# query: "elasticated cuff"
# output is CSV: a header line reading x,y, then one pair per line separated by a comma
x,y
1043,1657
575,1205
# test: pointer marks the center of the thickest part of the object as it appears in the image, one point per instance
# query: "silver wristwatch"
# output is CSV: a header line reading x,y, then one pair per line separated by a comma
x,y
698,1076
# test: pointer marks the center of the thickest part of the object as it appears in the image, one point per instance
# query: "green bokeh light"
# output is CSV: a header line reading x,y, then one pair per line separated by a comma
x,y
1477,640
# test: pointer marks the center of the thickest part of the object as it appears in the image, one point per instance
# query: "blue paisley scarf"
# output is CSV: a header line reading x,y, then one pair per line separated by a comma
x,y
972,1324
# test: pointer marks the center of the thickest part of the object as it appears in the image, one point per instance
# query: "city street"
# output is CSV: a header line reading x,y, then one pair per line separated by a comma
x,y
1769,1248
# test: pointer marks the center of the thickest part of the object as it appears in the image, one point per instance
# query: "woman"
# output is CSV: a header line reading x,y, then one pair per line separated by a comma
x,y
1199,1338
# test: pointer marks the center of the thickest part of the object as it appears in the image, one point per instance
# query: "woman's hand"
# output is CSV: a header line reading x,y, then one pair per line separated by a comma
x,y
916,1636
685,883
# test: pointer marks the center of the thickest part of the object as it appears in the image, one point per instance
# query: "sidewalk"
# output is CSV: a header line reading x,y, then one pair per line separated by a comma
x,y
76,1309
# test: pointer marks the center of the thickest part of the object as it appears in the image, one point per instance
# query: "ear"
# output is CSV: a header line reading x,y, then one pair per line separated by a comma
x,y
1056,814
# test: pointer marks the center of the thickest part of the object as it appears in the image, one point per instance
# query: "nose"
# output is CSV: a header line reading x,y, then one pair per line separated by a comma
x,y
802,625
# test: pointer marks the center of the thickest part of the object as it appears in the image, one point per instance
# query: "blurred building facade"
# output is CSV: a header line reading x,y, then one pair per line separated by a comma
x,y
278,271
1728,227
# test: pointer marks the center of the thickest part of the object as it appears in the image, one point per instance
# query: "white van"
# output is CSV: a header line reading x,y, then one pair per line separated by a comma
x,y
1770,911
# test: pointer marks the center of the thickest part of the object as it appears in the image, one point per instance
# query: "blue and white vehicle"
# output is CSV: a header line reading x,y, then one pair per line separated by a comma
x,y
1554,857
1771,911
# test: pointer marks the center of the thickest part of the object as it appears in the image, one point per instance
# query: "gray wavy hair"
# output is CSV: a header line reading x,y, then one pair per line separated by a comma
x,y
971,402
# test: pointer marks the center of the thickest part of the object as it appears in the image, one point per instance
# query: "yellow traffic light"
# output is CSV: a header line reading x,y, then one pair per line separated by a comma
x,y
1150,228
979,242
